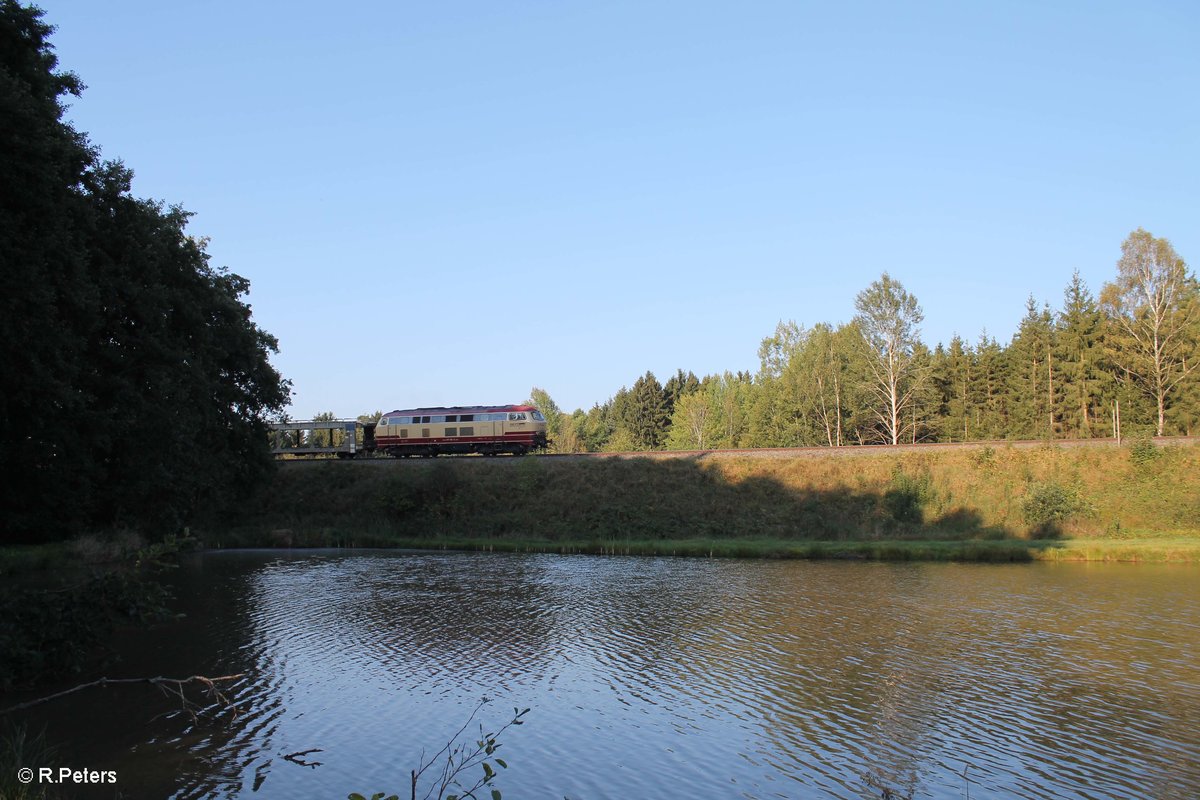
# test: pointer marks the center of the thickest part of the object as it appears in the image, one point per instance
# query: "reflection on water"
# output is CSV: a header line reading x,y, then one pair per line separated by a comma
x,y
668,677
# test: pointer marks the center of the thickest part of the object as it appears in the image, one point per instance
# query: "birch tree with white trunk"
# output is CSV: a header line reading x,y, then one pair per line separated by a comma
x,y
889,319
1155,309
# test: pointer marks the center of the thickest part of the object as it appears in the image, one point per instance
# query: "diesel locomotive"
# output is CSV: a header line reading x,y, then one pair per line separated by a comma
x,y
488,430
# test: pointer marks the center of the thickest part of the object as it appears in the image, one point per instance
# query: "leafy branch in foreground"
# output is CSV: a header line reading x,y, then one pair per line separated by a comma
x,y
450,764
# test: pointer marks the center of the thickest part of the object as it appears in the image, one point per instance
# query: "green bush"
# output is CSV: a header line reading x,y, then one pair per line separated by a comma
x,y
1047,505
984,459
1143,451
907,495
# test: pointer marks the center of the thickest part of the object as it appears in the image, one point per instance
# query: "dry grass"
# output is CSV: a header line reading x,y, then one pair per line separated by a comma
x,y
888,502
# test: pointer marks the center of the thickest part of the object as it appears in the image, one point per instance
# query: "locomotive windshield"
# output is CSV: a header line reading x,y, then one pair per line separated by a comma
x,y
537,415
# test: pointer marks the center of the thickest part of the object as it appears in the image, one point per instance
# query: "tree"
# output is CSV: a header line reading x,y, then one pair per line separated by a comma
x,y
888,319
570,436
136,383
680,384
173,352
955,372
729,397
775,352
990,396
1032,388
44,286
829,361
692,423
596,427
644,415
817,384
540,399
1154,307
1080,351
775,417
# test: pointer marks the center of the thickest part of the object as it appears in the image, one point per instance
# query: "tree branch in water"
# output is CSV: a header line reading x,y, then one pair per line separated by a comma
x,y
171,686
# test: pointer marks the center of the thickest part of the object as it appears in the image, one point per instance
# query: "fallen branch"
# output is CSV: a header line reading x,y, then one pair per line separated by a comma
x,y
172,686
298,757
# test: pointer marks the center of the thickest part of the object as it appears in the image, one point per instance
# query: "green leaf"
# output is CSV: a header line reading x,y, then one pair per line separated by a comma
x,y
355,796
502,763
495,794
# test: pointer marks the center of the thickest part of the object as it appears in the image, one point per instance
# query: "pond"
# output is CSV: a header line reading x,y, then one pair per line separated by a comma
x,y
660,677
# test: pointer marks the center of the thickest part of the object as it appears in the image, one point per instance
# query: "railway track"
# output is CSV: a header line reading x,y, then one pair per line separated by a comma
x,y
849,451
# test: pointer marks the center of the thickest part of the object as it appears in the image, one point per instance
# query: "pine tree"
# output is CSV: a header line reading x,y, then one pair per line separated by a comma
x,y
1032,386
1080,353
990,397
644,416
954,371
680,384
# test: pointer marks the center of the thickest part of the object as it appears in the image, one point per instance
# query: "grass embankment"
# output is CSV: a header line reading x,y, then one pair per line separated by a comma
x,y
1003,504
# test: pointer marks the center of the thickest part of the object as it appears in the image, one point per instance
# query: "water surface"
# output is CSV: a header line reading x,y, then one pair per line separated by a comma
x,y
665,677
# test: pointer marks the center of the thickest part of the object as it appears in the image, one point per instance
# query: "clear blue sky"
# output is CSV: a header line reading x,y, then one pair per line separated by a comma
x,y
450,203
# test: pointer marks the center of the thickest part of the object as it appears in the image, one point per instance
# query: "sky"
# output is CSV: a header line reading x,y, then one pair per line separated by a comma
x,y
452,203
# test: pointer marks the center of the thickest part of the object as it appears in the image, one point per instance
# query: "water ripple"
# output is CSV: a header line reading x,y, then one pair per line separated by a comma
x,y
694,677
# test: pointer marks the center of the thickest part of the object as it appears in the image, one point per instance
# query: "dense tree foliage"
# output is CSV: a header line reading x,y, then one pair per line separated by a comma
x,y
1064,375
136,384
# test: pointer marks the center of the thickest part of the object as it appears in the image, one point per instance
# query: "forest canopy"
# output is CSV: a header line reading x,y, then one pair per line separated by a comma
x,y
1125,361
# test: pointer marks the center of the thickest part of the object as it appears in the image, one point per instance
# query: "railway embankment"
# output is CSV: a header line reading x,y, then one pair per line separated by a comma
x,y
1138,502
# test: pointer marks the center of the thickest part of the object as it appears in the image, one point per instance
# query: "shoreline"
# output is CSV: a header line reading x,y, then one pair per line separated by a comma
x,y
1137,551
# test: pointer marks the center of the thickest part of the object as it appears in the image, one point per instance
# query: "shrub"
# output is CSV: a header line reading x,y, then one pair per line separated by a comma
x,y
907,495
1143,451
1047,505
984,459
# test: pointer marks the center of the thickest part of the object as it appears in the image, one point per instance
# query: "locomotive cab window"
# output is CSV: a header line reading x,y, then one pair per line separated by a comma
x,y
537,416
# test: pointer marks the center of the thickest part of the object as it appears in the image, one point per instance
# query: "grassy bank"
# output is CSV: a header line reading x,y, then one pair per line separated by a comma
x,y
987,504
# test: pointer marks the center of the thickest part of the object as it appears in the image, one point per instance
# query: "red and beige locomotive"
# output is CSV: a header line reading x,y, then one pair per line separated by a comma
x,y
489,430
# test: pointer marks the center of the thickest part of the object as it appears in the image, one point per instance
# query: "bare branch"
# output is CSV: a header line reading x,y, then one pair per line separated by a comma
x,y
171,686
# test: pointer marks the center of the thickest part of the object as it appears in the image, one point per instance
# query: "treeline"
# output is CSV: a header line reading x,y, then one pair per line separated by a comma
x,y
1129,356
136,384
